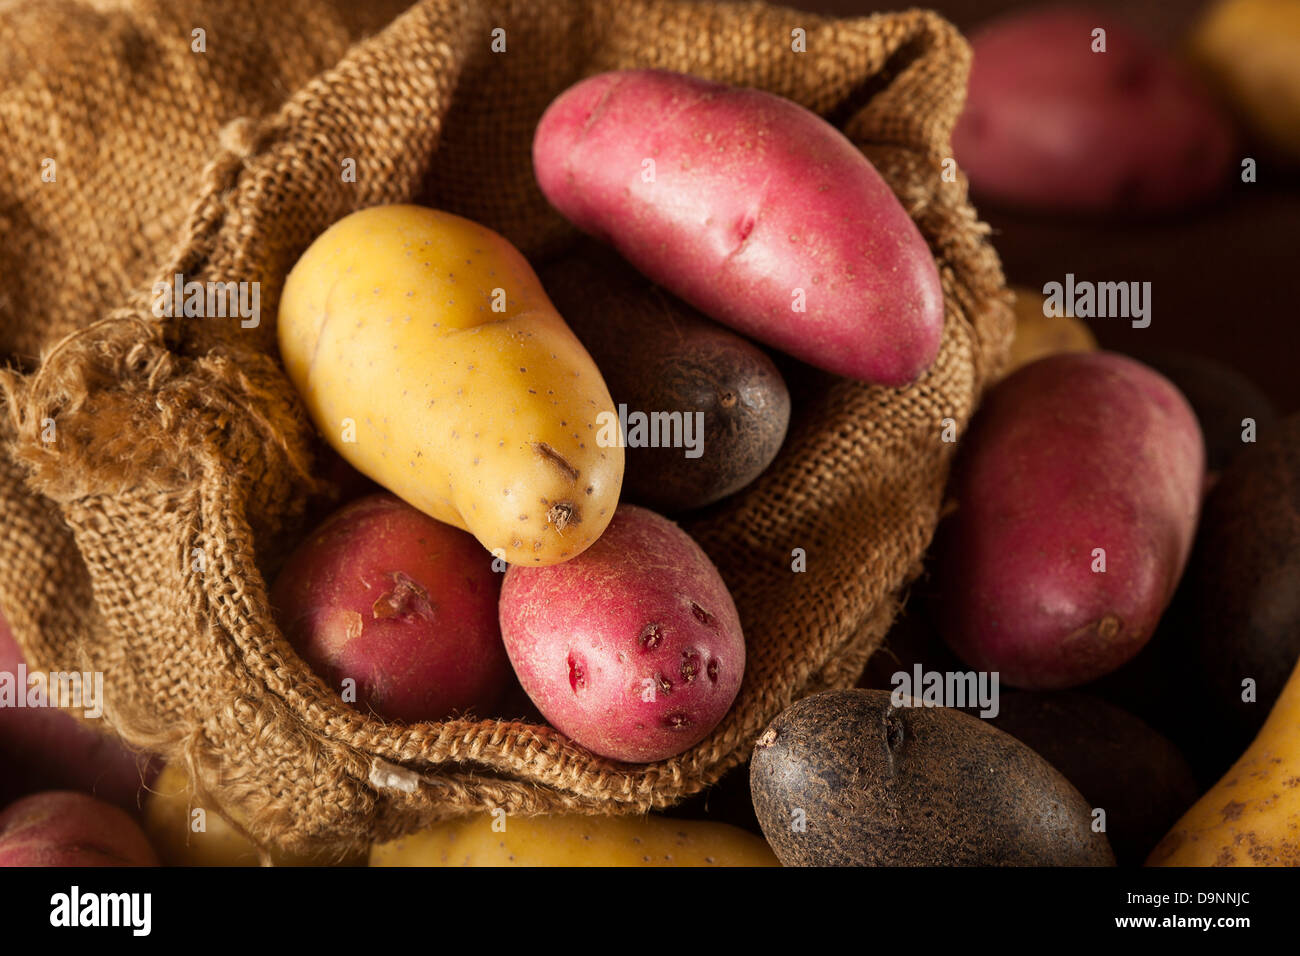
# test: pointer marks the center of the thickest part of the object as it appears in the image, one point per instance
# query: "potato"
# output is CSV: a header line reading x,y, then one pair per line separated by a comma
x,y
633,649
1116,761
1222,399
1077,491
45,748
1051,125
432,361
1244,582
574,840
751,208
1251,49
403,605
844,778
184,836
1252,816
1039,335
662,358
63,828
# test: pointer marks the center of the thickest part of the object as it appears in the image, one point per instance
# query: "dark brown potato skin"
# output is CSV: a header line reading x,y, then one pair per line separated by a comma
x,y
657,354
1116,761
1244,579
913,786
1221,397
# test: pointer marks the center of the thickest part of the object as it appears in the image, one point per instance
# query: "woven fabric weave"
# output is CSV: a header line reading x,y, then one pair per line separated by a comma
x,y
133,440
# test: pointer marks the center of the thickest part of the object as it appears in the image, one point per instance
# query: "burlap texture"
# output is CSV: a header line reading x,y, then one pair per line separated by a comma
x,y
171,435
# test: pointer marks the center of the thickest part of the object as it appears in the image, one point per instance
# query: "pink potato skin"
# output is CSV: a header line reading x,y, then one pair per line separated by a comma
x,y
44,748
1070,453
754,197
403,604
62,828
1051,125
642,607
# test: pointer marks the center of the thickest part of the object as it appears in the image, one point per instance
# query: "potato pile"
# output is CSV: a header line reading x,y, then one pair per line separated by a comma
x,y
432,358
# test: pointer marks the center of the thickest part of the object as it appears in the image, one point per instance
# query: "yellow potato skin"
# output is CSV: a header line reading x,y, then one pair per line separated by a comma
x,y
167,823
1038,336
1251,49
1252,816
576,840
483,419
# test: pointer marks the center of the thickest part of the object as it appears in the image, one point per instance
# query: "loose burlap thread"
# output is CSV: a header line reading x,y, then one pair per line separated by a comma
x,y
135,443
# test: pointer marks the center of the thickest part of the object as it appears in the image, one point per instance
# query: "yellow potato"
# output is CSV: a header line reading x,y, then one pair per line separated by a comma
x,y
1251,49
430,358
575,840
1252,816
170,821
1038,335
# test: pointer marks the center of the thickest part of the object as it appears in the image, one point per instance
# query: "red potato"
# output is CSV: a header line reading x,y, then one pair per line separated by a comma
x,y
1070,454
749,207
633,648
44,748
62,828
1049,124
404,605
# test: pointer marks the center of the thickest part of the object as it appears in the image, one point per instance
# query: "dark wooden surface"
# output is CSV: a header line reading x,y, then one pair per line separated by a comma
x,y
1225,277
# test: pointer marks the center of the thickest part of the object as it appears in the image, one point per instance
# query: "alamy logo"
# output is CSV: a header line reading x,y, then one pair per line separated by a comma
x,y
133,910
1101,300
922,688
209,300
652,430
70,689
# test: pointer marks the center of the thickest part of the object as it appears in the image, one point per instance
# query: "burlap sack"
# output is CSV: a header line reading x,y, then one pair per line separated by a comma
x,y
156,468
